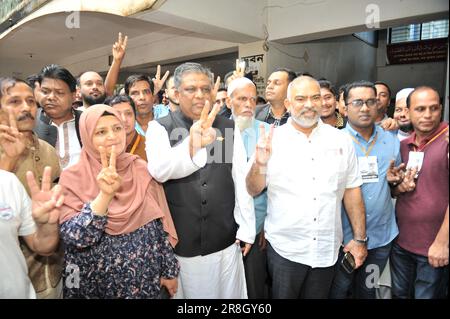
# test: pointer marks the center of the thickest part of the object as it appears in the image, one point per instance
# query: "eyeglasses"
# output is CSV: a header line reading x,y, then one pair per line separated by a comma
x,y
359,103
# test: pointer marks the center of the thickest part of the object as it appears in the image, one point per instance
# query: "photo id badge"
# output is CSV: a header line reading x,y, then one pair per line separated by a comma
x,y
415,161
368,168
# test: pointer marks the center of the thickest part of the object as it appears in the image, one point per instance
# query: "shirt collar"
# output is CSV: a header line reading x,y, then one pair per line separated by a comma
x,y
354,133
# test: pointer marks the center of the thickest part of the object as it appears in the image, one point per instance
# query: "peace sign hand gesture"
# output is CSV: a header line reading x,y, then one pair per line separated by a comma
x,y
157,81
11,140
202,133
45,201
108,180
408,184
119,47
394,174
264,146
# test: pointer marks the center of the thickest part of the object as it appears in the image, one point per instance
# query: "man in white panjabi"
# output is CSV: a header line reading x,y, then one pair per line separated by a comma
x,y
201,161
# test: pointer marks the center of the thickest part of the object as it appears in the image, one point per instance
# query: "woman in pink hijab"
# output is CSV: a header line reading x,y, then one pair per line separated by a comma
x,y
115,222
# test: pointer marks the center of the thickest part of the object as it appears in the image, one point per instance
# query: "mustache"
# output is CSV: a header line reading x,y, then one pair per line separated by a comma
x,y
307,109
25,116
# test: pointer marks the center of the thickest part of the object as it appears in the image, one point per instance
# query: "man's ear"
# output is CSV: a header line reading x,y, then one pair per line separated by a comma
x,y
287,104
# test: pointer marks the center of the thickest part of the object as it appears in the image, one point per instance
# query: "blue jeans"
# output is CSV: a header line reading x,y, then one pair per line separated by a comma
x,y
362,282
414,277
291,280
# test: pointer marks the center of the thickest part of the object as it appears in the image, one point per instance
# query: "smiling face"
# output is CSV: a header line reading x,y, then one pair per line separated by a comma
x,y
328,103
109,131
194,91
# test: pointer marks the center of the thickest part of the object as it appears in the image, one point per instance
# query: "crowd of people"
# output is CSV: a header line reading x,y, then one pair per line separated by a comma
x,y
215,192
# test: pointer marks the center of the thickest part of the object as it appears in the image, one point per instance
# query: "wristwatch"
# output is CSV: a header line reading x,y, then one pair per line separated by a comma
x,y
362,241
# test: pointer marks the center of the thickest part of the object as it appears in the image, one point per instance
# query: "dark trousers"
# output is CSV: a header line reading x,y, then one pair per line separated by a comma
x,y
291,280
362,282
414,277
256,275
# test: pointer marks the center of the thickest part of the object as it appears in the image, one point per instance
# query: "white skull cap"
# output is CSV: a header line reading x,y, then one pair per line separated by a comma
x,y
403,94
237,83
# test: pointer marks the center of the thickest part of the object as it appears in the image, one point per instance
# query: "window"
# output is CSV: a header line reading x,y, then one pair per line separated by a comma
x,y
417,32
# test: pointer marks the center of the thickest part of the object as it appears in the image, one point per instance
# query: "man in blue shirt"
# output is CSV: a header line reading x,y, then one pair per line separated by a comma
x,y
242,100
375,149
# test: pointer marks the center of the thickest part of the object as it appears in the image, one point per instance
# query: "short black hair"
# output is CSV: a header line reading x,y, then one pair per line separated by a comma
x,y
420,88
32,79
305,74
117,99
260,100
132,79
291,74
54,71
325,84
387,86
358,84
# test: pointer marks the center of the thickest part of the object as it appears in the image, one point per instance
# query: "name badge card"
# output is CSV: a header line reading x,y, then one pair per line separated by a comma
x,y
368,168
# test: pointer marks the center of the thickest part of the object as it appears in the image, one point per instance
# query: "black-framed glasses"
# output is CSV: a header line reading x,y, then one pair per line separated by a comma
x,y
359,103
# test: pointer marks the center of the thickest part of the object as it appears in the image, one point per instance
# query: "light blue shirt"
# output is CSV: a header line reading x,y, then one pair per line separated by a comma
x,y
159,111
250,138
381,227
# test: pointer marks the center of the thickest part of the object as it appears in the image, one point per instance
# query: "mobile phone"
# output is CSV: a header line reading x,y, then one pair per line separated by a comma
x,y
348,262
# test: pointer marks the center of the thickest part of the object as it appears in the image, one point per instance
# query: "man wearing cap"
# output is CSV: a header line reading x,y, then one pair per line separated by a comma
x,y
401,114
242,100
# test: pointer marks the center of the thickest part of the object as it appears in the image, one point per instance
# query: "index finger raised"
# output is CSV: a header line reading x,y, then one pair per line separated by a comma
x,y
103,156
112,158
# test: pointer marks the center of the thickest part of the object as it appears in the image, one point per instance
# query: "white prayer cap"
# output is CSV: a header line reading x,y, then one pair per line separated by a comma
x,y
237,83
403,94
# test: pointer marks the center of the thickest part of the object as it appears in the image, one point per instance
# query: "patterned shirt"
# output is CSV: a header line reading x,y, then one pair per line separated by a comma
x,y
99,265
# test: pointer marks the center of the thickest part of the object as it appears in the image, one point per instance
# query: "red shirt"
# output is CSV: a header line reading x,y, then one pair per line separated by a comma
x,y
420,213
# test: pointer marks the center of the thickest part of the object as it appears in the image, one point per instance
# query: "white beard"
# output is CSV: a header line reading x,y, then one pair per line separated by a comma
x,y
306,122
243,122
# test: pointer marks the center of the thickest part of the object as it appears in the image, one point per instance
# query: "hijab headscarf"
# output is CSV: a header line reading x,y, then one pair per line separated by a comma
x,y
139,200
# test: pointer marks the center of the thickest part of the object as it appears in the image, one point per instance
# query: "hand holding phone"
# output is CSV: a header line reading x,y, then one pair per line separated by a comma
x,y
348,262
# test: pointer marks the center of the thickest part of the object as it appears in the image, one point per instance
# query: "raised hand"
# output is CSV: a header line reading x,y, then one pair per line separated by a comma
x,y
408,184
264,146
389,124
239,72
11,140
157,81
108,180
202,133
45,201
394,174
215,89
119,47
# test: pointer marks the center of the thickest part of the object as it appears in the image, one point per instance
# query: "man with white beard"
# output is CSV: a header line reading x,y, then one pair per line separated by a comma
x,y
308,169
241,97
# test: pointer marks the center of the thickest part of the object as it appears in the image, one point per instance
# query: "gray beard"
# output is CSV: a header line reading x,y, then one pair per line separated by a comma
x,y
243,122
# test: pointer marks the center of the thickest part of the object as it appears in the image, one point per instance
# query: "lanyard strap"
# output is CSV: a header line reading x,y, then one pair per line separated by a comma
x,y
136,143
371,145
420,149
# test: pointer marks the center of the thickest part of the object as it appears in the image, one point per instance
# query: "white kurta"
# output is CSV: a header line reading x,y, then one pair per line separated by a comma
x,y
222,273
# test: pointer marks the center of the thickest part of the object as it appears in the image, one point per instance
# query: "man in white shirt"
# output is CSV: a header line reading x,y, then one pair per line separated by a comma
x,y
38,229
201,160
308,169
